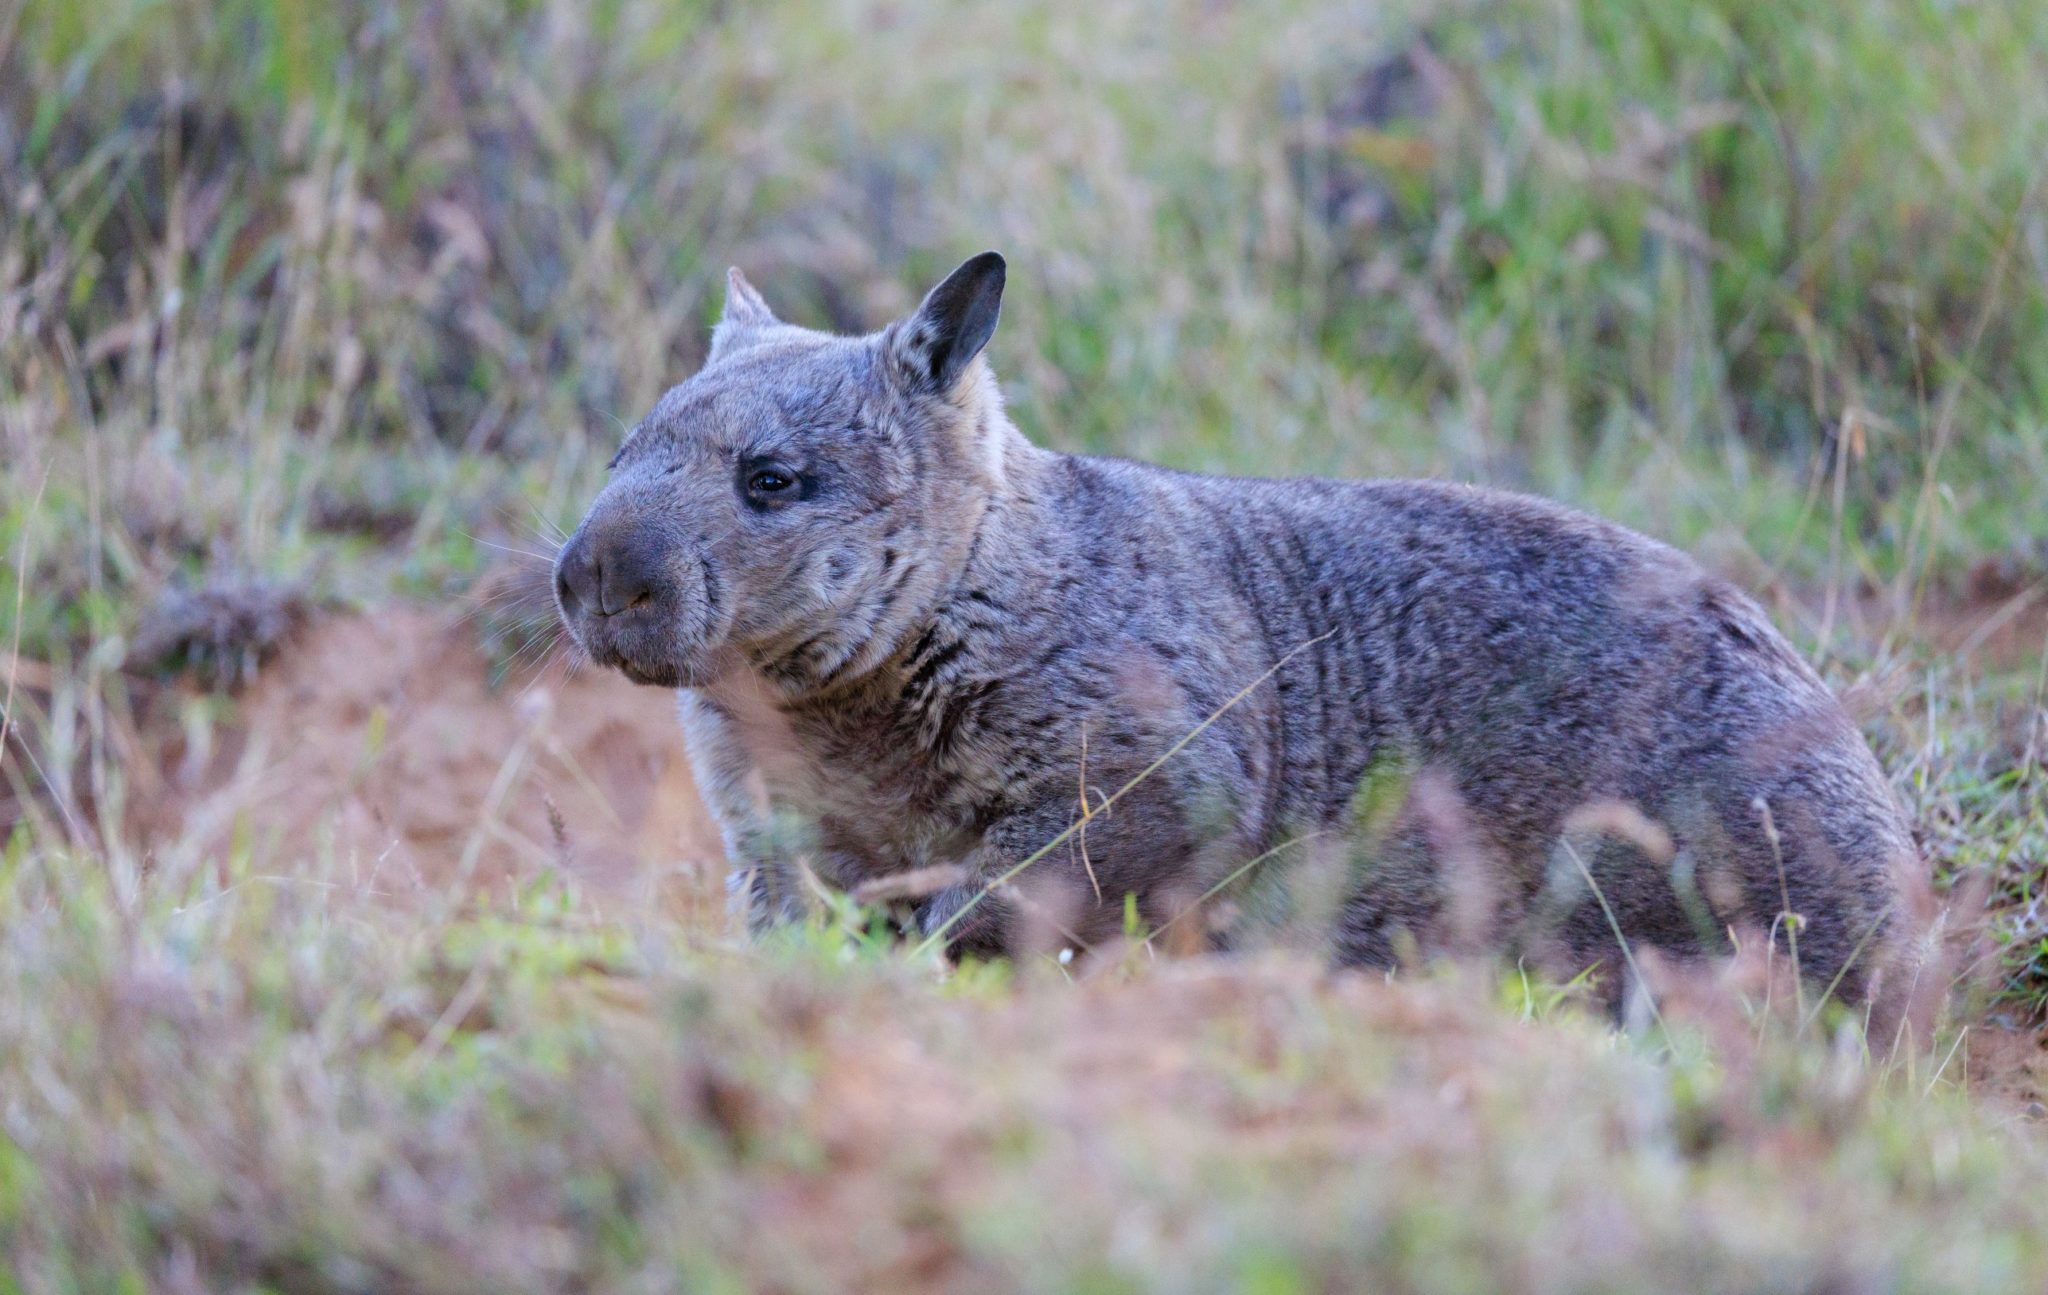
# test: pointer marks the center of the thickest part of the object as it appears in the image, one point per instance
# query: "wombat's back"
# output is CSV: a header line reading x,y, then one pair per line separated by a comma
x,y
1555,679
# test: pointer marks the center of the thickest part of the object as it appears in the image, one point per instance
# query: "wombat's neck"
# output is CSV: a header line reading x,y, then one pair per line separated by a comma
x,y
973,603
969,608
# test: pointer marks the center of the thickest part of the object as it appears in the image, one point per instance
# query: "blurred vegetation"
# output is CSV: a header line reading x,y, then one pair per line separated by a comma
x,y
305,303
239,1082
1683,262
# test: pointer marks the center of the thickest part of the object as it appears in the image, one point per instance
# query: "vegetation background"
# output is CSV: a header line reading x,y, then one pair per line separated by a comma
x,y
350,943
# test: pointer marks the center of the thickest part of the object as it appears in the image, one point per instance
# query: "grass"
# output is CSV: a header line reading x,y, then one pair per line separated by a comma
x,y
310,307
291,1087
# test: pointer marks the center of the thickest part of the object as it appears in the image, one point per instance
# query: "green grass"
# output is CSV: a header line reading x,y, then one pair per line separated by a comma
x,y
339,300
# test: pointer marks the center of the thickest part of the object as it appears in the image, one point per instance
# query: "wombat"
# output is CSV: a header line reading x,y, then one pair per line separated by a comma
x,y
1078,689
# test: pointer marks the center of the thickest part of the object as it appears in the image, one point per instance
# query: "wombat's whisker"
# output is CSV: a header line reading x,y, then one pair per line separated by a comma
x,y
547,529
545,559
536,647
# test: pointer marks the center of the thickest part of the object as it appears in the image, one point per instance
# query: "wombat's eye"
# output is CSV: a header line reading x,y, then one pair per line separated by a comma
x,y
768,482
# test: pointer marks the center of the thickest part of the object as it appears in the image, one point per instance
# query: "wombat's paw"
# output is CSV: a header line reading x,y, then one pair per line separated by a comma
x,y
763,895
974,923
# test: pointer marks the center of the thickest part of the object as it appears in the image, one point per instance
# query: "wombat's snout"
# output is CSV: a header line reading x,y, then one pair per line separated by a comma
x,y
606,575
628,599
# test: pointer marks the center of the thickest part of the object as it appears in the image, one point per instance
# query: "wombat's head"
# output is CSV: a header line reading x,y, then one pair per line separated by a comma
x,y
800,503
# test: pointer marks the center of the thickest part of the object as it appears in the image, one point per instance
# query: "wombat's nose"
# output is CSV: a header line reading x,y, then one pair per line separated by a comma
x,y
576,580
603,578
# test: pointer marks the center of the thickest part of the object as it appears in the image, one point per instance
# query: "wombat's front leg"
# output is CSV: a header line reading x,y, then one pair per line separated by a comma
x,y
1041,881
972,919
763,893
763,887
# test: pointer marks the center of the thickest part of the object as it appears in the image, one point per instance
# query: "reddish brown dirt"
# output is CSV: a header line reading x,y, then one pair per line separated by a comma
x,y
1986,628
1991,630
375,746
2008,1064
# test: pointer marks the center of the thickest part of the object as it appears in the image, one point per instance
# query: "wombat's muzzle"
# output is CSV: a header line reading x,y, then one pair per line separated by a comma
x,y
604,577
617,596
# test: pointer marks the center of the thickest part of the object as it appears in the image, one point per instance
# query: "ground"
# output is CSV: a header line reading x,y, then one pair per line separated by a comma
x,y
378,738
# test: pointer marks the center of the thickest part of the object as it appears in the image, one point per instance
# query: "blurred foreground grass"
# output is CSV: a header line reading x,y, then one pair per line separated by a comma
x,y
250,1083
313,304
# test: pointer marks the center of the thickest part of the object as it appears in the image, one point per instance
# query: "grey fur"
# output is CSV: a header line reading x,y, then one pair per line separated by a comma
x,y
921,648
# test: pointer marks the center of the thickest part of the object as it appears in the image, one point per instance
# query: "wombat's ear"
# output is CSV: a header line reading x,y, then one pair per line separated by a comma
x,y
934,346
745,311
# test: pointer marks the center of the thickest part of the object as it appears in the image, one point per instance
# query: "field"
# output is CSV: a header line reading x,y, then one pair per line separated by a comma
x,y
355,940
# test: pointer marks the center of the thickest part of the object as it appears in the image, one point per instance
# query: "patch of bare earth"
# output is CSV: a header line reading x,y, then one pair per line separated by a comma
x,y
2008,1064
376,750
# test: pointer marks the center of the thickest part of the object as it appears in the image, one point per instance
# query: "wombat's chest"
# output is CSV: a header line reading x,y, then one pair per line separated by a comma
x,y
876,802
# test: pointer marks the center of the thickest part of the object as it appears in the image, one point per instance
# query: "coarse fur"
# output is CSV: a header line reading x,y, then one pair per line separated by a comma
x,y
906,638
